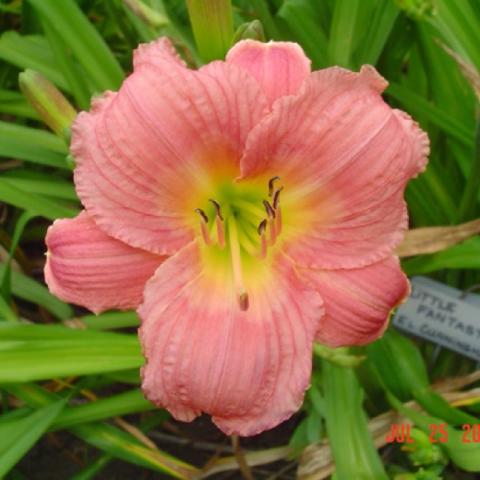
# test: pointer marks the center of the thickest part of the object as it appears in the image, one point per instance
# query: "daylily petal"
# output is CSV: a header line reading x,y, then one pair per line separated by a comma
x,y
358,302
279,67
345,156
248,369
87,267
156,52
144,153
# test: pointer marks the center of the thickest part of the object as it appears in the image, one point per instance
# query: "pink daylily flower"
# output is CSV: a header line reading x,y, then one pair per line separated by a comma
x,y
246,209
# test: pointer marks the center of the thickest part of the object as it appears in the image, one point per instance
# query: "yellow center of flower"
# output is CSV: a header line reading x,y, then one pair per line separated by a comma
x,y
240,224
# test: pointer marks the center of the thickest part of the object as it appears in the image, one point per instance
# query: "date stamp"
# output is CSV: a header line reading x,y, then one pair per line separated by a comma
x,y
438,433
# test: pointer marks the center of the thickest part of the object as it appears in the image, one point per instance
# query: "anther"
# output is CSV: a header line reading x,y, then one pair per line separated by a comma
x,y
217,207
202,214
261,228
269,209
270,185
263,239
276,198
203,226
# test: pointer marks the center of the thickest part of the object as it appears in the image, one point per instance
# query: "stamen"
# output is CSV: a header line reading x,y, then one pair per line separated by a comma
x,y
202,214
220,231
278,221
271,222
203,226
263,238
217,207
273,231
269,209
261,228
276,198
237,265
270,185
219,223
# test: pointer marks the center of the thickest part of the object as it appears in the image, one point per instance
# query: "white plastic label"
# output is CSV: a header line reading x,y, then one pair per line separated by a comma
x,y
443,315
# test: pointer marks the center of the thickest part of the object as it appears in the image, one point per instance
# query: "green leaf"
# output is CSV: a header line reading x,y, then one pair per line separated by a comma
x,y
401,369
380,28
110,439
83,39
262,11
459,24
418,104
28,289
33,352
470,195
14,103
18,436
464,255
125,403
5,275
34,145
75,76
31,51
93,469
342,30
303,19
36,204
6,313
42,184
212,26
124,446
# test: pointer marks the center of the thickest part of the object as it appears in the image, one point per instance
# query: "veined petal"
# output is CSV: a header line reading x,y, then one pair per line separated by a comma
x,y
87,267
344,157
156,52
144,154
279,67
358,302
248,369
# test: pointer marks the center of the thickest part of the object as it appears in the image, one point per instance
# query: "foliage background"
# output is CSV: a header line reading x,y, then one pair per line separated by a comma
x,y
63,370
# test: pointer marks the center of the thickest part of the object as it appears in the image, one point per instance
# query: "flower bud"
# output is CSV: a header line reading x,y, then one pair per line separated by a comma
x,y
53,108
147,14
250,30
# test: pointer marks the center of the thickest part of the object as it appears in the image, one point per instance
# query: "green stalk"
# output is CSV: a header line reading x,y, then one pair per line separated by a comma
x,y
352,446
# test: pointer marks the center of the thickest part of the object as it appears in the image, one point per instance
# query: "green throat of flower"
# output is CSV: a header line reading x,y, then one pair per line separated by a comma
x,y
240,225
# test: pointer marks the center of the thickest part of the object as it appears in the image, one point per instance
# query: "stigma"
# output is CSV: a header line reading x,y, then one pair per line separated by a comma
x,y
242,228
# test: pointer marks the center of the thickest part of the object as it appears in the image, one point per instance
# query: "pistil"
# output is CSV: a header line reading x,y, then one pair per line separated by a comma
x,y
236,258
